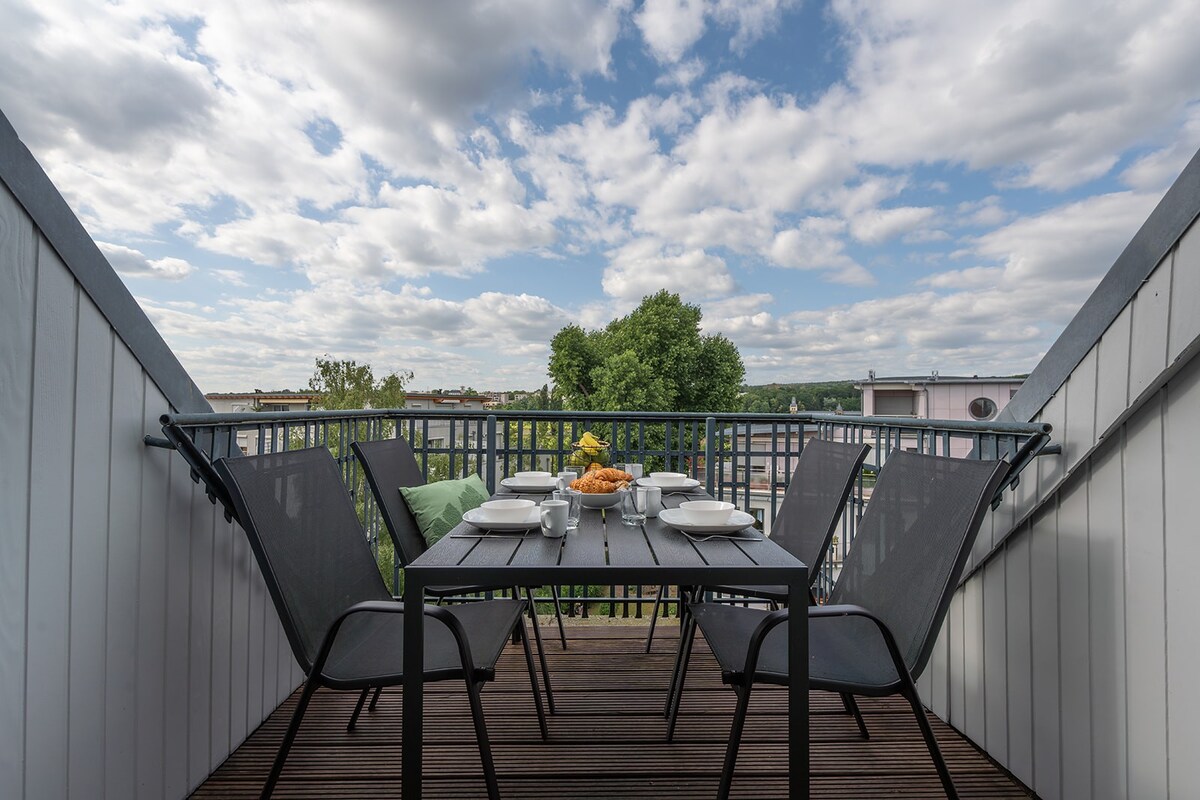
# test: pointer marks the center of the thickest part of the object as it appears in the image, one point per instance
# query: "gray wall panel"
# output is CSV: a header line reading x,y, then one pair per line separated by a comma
x,y
88,568
1182,554
49,530
18,282
1074,667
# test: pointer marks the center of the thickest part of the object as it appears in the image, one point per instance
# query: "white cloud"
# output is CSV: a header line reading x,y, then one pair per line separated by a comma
x,y
133,263
671,27
643,267
880,224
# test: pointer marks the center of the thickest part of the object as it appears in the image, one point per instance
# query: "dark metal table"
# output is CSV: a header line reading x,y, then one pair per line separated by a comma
x,y
604,551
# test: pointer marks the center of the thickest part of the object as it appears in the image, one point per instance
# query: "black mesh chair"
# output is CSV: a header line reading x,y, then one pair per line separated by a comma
x,y
804,526
390,464
345,629
877,632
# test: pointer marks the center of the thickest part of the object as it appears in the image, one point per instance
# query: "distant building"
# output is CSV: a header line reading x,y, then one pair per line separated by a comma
x,y
234,402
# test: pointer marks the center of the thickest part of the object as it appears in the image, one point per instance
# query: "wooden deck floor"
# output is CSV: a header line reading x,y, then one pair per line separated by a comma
x,y
607,739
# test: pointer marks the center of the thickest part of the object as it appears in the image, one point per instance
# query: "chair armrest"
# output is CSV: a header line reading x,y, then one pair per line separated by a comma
x,y
439,613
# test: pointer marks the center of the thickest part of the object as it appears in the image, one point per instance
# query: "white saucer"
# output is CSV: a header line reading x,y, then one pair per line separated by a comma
x,y
738,520
515,485
688,484
479,518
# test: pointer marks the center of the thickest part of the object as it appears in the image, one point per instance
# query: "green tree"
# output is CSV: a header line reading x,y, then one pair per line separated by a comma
x,y
346,384
653,359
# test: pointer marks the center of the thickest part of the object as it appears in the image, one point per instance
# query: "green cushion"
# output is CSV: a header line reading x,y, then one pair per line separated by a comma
x,y
440,506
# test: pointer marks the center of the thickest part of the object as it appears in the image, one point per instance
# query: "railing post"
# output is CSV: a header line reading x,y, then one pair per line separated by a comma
x,y
710,451
491,454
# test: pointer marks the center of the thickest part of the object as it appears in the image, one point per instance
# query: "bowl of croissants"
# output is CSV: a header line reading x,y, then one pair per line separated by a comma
x,y
599,486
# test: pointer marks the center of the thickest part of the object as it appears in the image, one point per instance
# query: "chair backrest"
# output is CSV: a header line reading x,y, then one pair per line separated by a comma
x,y
913,542
388,465
306,537
815,500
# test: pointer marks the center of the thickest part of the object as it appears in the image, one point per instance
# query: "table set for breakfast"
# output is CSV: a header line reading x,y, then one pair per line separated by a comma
x,y
557,529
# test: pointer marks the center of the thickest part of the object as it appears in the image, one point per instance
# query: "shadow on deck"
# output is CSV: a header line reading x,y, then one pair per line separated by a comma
x,y
607,739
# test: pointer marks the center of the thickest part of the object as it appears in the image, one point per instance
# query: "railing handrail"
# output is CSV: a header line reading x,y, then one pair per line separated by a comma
x,y
804,417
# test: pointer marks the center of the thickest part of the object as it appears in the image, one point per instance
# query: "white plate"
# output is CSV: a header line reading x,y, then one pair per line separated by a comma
x,y
600,500
738,520
687,485
521,486
479,518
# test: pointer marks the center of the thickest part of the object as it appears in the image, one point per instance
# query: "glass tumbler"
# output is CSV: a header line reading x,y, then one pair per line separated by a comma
x,y
574,500
631,513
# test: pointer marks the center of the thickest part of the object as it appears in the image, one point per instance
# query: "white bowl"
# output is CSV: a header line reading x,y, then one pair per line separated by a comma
x,y
668,478
507,510
706,512
607,500
533,477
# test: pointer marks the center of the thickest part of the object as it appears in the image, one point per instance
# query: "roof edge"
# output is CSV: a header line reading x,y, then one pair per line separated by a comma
x,y
1171,218
33,189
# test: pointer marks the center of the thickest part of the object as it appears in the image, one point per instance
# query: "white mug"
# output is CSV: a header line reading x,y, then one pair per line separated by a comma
x,y
649,500
565,477
554,518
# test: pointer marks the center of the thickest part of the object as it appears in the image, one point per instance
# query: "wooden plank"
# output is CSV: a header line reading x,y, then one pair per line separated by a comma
x,y
152,593
1182,550
50,471
610,692
995,659
18,298
491,551
1074,646
1112,371
1148,339
1106,622
126,457
1019,619
586,547
1185,295
1145,615
1043,579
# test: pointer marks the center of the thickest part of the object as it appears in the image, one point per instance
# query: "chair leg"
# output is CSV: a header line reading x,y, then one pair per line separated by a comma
x,y
533,682
654,616
851,706
675,699
735,739
931,743
685,620
481,736
562,629
285,746
537,635
375,699
362,698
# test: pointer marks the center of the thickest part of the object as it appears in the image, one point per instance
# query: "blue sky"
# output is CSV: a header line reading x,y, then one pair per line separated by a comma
x,y
900,186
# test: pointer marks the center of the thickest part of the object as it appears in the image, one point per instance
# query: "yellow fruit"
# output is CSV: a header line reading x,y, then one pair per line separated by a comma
x,y
595,465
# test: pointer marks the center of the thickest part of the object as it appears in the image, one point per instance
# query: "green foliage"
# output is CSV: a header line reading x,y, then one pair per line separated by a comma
x,y
347,384
654,359
823,397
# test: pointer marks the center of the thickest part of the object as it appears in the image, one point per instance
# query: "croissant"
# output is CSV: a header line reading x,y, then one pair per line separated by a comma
x,y
611,474
602,481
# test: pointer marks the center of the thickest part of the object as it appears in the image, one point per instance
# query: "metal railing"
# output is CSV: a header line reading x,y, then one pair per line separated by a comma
x,y
747,459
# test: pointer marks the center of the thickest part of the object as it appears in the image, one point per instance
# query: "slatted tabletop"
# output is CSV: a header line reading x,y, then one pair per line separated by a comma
x,y
606,551
608,739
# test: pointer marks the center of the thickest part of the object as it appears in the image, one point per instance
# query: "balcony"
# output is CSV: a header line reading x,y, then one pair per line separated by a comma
x,y
139,649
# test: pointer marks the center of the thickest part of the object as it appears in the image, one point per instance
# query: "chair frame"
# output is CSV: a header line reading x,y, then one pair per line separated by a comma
x,y
315,678
742,681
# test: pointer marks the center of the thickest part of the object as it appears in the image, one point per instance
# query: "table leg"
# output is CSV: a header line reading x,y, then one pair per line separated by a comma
x,y
414,686
798,783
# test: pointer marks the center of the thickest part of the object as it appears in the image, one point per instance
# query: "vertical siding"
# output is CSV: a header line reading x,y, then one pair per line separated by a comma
x,y
18,278
1087,624
137,642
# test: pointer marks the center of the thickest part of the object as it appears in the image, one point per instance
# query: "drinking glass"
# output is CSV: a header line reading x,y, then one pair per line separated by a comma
x,y
630,513
574,500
